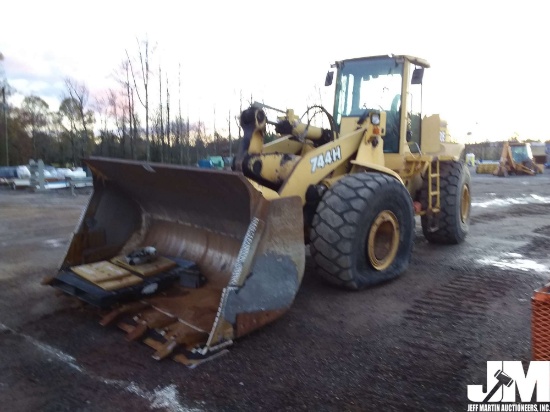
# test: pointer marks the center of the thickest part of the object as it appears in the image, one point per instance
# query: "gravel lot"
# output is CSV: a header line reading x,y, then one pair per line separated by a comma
x,y
412,344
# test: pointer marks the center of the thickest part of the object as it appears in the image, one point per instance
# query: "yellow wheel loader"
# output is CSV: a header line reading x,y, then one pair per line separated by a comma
x,y
189,259
517,158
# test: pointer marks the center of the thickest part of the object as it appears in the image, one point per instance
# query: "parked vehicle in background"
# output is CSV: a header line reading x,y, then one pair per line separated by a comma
x,y
18,177
212,162
9,173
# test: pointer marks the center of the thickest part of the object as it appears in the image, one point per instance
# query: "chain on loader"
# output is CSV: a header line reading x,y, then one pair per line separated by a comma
x,y
188,259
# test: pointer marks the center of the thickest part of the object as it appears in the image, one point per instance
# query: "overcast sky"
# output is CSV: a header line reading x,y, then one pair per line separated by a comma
x,y
488,58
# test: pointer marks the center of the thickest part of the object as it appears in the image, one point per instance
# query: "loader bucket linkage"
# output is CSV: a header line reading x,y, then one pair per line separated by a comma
x,y
249,249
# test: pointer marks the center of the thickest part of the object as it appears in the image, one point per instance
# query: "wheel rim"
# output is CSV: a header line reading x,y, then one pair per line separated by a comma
x,y
383,240
465,204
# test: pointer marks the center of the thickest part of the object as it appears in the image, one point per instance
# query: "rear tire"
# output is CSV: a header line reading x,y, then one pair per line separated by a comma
x,y
363,231
451,224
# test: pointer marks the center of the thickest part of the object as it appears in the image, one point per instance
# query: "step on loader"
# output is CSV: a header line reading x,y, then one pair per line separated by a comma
x,y
219,269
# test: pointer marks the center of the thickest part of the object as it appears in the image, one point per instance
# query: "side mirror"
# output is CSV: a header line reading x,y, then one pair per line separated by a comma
x,y
417,76
329,78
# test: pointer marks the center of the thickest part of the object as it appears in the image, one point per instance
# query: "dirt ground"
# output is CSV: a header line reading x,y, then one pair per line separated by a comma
x,y
412,344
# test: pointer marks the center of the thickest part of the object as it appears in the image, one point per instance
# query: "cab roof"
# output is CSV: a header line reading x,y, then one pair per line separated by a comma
x,y
414,60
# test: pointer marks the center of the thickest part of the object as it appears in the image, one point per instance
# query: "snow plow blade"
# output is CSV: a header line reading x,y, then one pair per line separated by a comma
x,y
229,260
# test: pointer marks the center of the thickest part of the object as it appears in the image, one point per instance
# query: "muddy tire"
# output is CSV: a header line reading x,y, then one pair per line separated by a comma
x,y
451,224
363,231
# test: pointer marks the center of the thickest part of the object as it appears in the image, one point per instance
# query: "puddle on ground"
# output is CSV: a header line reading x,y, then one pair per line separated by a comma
x,y
532,198
514,261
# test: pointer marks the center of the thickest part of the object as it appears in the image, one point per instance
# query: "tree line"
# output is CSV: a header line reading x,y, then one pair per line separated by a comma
x,y
123,123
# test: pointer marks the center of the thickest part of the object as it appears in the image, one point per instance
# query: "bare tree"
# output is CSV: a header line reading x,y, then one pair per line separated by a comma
x,y
215,136
168,138
4,86
180,120
188,141
229,127
161,131
79,93
145,72
117,111
133,124
101,107
122,108
68,118
238,117
129,109
200,138
35,113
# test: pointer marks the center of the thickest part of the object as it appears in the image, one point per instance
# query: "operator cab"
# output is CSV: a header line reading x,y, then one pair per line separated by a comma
x,y
382,83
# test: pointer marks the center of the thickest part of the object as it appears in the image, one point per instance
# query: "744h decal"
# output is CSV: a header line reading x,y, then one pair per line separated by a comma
x,y
330,156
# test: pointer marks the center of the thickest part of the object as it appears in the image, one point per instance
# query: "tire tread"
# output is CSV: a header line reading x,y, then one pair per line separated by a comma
x,y
335,225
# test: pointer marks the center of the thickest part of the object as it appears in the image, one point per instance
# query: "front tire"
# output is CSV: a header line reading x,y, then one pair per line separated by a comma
x,y
363,231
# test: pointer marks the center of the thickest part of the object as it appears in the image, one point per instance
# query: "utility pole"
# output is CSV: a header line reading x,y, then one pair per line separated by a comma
x,y
5,106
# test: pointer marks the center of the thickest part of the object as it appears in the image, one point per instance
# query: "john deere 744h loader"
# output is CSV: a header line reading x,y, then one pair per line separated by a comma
x,y
187,273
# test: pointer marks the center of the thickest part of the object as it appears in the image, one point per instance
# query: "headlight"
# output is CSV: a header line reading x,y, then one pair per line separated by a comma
x,y
375,119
